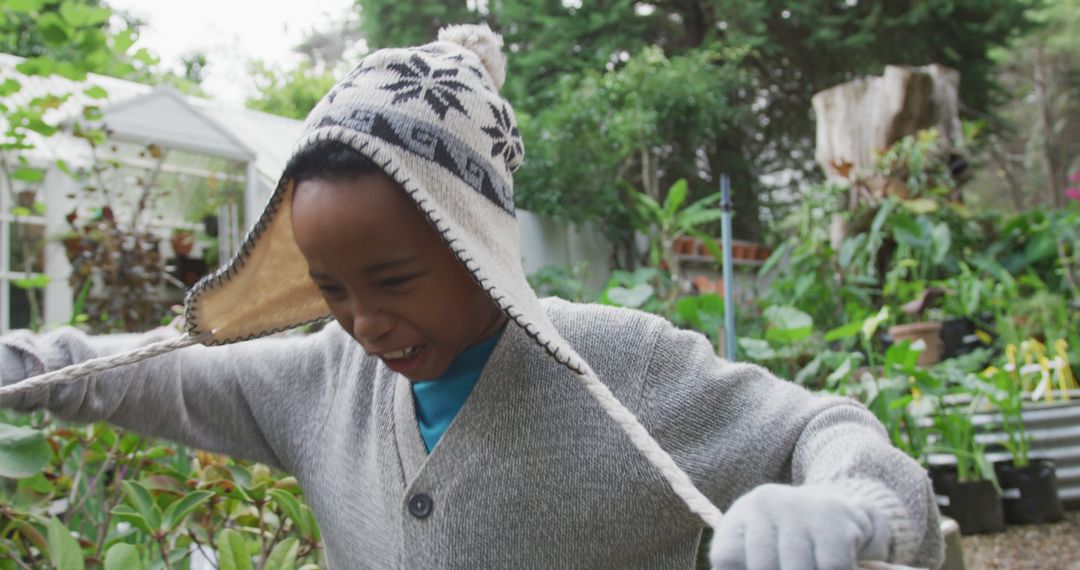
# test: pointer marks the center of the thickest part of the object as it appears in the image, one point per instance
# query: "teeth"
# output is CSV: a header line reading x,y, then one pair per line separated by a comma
x,y
399,353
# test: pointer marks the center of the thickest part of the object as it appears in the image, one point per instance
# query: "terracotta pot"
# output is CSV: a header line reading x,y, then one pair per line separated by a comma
x,y
685,245
930,332
703,249
25,198
182,243
705,285
764,252
739,249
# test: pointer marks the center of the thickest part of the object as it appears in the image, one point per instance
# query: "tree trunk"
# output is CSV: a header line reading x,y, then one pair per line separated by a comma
x,y
1042,92
858,119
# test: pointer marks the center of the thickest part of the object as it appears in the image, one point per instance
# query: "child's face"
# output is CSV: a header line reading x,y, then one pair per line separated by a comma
x,y
388,278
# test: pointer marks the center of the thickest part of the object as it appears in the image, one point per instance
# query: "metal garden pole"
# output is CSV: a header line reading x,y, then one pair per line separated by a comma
x,y
729,282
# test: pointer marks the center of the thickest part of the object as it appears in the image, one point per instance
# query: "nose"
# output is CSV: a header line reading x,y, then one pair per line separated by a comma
x,y
370,324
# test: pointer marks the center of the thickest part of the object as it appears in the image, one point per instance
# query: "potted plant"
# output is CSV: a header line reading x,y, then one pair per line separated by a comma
x,y
182,241
1029,486
973,497
928,331
26,198
965,296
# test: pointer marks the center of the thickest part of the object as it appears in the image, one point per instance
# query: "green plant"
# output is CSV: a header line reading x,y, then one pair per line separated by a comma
x,y
137,504
667,222
646,288
956,431
703,313
562,282
1005,390
788,341
967,295
901,395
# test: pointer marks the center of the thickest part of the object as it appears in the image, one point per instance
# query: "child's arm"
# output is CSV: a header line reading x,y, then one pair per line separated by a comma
x,y
736,427
247,399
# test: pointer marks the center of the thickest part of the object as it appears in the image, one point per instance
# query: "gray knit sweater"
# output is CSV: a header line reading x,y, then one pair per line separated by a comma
x,y
531,474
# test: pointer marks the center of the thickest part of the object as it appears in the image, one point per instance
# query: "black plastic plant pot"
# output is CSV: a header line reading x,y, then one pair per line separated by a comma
x,y
974,505
210,225
1029,493
959,337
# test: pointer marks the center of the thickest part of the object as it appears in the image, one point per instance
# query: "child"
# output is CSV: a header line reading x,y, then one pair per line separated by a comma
x,y
395,216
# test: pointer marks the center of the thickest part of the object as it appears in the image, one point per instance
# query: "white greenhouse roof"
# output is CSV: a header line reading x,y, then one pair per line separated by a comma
x,y
144,114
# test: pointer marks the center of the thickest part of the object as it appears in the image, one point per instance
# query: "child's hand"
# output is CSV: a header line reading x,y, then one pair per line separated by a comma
x,y
799,528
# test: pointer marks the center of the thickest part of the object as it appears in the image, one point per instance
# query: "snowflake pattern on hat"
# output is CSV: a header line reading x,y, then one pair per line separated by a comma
x,y
507,139
439,88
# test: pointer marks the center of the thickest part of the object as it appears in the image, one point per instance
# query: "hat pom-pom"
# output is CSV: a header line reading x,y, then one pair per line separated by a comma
x,y
479,39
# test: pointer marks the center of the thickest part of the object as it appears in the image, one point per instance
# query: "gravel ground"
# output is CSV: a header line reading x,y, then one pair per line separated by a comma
x,y
1036,547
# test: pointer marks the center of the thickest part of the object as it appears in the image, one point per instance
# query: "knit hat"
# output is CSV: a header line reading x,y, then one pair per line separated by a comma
x,y
431,117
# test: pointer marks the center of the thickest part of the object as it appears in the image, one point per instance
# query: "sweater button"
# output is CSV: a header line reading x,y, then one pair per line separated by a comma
x,y
420,505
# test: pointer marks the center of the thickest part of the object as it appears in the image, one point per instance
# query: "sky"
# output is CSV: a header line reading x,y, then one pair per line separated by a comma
x,y
231,33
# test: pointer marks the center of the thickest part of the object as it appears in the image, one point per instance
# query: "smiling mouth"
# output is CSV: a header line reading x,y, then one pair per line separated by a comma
x,y
399,354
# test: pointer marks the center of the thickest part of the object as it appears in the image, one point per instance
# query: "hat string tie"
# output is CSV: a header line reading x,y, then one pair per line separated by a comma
x,y
74,372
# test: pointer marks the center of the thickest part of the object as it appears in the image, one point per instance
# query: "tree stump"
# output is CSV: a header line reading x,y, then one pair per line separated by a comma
x,y
859,119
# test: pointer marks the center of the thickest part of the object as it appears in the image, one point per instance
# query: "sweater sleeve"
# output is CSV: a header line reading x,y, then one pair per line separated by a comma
x,y
735,426
254,399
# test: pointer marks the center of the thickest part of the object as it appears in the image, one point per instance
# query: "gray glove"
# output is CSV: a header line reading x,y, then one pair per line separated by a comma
x,y
779,527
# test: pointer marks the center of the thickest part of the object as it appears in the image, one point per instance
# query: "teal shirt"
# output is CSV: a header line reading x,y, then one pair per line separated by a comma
x,y
438,401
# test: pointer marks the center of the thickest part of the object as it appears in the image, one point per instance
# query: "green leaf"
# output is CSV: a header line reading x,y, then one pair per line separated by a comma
x,y
80,14
232,551
123,556
9,87
37,66
908,231
283,556
24,6
693,219
288,503
871,324
64,551
39,282
310,523
633,297
175,512
40,127
31,175
36,483
880,218
840,373
241,476
64,167
53,29
787,324
757,349
844,331
920,205
675,197
131,516
136,495
96,92
123,40
23,452
849,248
942,242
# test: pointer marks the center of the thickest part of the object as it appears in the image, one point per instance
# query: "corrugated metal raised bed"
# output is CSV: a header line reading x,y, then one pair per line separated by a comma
x,y
1054,428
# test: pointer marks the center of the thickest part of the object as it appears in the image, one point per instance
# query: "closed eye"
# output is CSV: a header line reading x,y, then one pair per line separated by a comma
x,y
331,291
396,282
